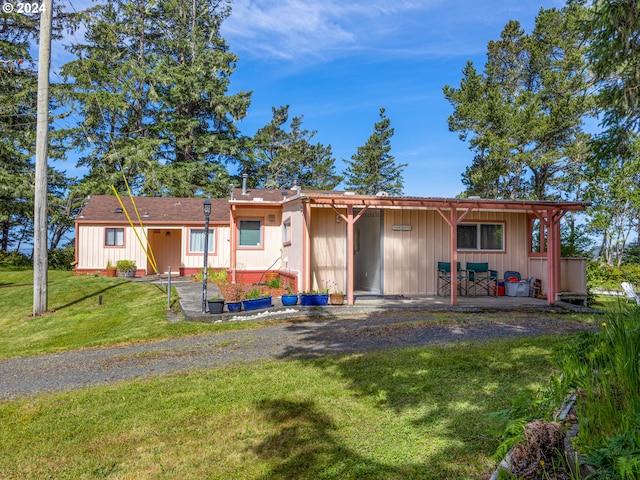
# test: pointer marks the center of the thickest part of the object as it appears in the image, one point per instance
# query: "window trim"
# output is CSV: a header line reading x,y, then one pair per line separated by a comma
x,y
211,251
115,245
260,246
478,224
286,231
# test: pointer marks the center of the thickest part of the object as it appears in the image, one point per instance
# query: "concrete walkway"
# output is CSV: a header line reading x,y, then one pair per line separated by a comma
x,y
190,300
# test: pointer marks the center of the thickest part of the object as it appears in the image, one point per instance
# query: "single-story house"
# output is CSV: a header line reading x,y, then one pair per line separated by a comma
x,y
355,243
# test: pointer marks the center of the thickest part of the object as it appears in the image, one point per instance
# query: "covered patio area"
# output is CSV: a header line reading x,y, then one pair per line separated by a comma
x,y
414,234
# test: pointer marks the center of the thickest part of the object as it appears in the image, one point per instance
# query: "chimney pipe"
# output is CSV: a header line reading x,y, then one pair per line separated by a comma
x,y
244,183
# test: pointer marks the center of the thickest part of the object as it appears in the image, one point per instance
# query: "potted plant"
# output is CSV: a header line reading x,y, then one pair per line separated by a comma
x,y
314,298
233,293
288,299
254,299
336,298
111,270
215,305
126,268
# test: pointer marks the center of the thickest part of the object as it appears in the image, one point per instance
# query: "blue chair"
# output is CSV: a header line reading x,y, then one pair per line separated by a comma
x,y
481,278
444,279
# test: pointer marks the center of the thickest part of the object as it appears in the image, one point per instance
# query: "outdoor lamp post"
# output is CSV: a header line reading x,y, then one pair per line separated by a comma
x,y
207,212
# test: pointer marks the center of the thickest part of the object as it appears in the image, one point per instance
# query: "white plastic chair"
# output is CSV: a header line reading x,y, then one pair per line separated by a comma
x,y
630,292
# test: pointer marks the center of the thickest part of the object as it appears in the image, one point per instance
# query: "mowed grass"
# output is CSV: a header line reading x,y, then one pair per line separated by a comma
x,y
130,311
397,414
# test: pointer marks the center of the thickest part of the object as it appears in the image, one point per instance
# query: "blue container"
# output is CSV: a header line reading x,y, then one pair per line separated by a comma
x,y
289,300
314,299
234,307
256,303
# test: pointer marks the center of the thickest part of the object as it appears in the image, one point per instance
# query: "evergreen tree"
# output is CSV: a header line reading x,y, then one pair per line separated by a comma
x,y
279,157
151,84
523,115
18,86
612,29
373,169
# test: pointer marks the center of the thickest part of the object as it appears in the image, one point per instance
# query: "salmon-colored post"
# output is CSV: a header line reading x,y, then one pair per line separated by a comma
x,y
306,249
557,255
350,256
232,242
553,244
453,224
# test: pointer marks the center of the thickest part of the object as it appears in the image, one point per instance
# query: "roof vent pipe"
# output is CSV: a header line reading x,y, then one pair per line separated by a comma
x,y
231,187
244,183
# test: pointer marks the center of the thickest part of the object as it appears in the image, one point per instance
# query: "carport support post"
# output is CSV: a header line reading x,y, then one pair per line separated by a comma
x,y
553,254
453,223
350,255
351,221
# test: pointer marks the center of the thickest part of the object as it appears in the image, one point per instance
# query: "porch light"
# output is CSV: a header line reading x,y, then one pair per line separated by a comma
x,y
207,212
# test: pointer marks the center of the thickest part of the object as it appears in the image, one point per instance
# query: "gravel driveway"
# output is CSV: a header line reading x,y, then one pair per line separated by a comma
x,y
82,368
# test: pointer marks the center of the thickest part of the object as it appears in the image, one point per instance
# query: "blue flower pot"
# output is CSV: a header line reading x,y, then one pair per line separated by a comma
x,y
288,300
314,299
256,303
234,307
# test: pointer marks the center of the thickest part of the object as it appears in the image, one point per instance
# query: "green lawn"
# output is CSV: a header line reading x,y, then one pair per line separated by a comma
x,y
398,414
130,311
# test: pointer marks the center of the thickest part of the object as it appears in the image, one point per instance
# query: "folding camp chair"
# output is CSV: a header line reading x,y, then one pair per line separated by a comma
x,y
630,292
444,279
481,278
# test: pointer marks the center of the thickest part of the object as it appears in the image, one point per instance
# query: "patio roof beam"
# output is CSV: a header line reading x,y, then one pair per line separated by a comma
x,y
519,205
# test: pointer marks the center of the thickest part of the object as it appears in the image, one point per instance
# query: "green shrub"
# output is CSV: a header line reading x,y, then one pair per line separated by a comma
x,y
62,259
14,259
607,277
605,368
214,275
274,282
126,265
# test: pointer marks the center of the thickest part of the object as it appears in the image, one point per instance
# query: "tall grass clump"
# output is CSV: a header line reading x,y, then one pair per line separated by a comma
x,y
603,368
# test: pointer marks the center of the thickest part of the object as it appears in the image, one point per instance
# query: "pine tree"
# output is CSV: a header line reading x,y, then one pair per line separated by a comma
x,y
373,169
18,80
523,115
279,157
151,83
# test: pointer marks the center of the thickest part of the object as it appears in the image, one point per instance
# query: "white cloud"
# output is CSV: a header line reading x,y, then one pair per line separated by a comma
x,y
291,29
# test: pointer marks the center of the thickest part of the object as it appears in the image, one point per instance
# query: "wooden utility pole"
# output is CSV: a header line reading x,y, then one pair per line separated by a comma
x,y
40,253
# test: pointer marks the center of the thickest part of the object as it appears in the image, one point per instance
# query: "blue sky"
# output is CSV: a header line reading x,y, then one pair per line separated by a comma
x,y
336,62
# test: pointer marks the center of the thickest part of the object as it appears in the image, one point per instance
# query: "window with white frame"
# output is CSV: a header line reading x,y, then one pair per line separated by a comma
x,y
481,236
196,240
286,231
114,237
250,233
